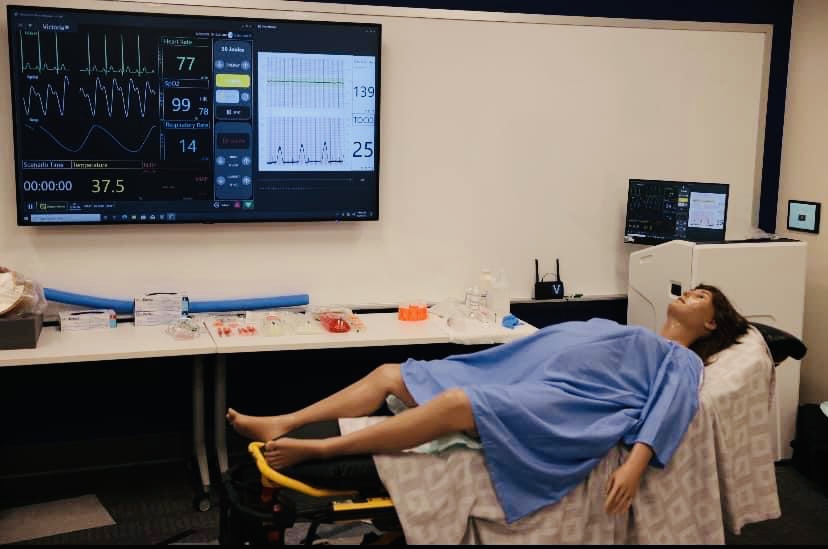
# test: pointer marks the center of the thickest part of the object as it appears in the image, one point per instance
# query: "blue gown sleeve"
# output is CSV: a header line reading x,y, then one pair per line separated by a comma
x,y
670,407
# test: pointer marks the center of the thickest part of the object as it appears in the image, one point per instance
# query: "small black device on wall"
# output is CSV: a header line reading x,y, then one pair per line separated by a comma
x,y
553,289
803,216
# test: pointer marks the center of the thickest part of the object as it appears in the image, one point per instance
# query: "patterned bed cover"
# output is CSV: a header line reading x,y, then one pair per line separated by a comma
x,y
721,476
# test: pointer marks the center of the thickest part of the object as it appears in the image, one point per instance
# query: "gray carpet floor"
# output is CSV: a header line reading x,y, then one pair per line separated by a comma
x,y
804,519
153,504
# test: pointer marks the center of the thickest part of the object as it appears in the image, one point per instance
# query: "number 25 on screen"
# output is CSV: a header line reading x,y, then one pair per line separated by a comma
x,y
108,186
363,149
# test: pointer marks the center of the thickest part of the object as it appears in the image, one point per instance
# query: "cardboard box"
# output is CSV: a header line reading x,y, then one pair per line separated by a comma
x,y
20,332
92,319
160,308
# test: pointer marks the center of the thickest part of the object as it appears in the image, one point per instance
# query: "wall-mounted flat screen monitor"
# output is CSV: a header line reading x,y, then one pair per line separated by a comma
x,y
125,117
659,211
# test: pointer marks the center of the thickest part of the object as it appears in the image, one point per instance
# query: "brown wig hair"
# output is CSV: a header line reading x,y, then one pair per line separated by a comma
x,y
730,326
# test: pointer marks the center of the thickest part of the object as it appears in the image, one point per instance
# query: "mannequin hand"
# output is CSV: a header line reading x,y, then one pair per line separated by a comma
x,y
621,489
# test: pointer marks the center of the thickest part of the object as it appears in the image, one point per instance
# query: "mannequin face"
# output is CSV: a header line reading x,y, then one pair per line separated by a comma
x,y
694,309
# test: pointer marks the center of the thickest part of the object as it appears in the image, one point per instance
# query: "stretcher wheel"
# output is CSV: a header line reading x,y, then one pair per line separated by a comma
x,y
202,503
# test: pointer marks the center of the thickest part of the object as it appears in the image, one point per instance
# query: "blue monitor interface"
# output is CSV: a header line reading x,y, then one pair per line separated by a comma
x,y
155,118
658,211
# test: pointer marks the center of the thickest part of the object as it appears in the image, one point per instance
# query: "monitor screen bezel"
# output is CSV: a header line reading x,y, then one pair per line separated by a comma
x,y
660,240
19,203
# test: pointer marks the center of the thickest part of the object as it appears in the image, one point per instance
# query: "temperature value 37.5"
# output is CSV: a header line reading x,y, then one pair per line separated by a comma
x,y
108,185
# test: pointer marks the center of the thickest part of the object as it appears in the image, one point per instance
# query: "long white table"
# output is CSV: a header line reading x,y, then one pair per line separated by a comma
x,y
381,329
130,342
127,342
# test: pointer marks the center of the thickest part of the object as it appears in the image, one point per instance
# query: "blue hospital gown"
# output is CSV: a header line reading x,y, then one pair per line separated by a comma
x,y
550,406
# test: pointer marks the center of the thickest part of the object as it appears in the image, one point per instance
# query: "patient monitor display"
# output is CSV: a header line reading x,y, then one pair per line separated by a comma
x,y
659,211
154,118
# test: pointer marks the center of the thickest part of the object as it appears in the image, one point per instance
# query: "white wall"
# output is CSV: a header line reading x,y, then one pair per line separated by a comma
x,y
502,140
804,176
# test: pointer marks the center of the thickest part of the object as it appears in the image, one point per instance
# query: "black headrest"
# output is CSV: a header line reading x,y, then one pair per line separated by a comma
x,y
781,344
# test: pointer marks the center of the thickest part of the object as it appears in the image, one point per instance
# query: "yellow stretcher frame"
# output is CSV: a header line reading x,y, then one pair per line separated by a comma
x,y
274,479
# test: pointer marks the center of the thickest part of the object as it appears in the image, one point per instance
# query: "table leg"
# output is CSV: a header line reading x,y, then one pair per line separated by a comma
x,y
202,501
220,410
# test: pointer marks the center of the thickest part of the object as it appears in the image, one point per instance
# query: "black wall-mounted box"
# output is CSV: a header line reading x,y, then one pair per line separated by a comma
x,y
549,290
20,332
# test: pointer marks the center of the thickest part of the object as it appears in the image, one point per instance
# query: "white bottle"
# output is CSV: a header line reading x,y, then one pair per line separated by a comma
x,y
474,299
499,299
485,285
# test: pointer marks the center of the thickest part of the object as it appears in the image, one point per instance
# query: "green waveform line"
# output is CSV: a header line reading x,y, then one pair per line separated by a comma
x,y
107,68
41,66
305,82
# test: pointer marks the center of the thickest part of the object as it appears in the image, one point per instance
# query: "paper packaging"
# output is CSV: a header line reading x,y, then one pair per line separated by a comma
x,y
156,318
93,319
160,308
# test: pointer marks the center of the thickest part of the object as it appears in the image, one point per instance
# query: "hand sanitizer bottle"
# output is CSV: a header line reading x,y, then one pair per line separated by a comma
x,y
485,285
499,301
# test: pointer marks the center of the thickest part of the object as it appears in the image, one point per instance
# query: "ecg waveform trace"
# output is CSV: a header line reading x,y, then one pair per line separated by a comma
x,y
302,81
106,69
92,128
41,65
305,142
43,98
142,93
126,97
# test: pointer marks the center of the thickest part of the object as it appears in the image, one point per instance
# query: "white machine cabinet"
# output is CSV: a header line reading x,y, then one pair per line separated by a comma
x,y
764,280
